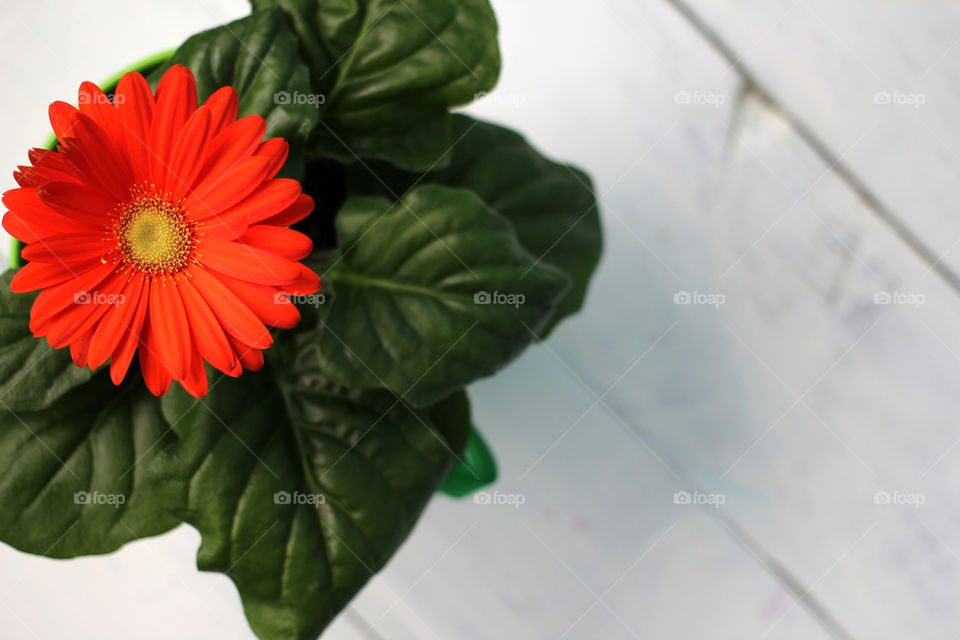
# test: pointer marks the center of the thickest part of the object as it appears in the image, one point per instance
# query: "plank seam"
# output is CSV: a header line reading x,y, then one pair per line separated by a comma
x,y
841,169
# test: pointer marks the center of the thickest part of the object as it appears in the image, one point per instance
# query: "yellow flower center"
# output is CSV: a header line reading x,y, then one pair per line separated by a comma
x,y
154,237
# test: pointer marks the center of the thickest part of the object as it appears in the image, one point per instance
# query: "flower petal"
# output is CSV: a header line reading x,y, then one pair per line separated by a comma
x,y
188,154
224,228
92,208
135,104
270,305
275,150
208,336
111,330
250,357
94,103
234,316
155,373
54,299
36,275
214,196
248,263
20,228
37,176
281,241
223,104
308,282
84,314
195,382
89,151
269,198
176,100
235,142
130,339
296,212
62,117
68,249
47,158
78,351
37,216
168,322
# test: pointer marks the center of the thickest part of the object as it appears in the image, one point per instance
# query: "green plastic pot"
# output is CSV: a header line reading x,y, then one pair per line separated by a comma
x,y
477,467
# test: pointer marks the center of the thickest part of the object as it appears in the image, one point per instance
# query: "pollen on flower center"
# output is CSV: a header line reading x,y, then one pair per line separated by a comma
x,y
153,235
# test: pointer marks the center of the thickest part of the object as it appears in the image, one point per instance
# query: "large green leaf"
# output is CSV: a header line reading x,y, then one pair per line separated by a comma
x,y
73,447
32,375
552,206
73,479
302,490
390,69
433,292
258,56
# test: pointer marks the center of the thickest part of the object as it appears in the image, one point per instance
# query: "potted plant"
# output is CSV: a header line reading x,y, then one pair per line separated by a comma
x,y
255,275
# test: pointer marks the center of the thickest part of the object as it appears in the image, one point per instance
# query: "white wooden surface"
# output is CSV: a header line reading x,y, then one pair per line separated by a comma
x,y
796,400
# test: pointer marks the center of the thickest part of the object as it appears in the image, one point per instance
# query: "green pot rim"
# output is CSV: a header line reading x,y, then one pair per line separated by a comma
x,y
477,467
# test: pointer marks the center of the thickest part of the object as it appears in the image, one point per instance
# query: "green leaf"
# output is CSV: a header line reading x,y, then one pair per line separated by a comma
x,y
258,56
433,292
552,206
32,375
315,22
301,490
73,480
390,70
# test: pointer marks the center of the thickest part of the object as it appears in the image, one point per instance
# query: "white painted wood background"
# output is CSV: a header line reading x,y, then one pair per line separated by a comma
x,y
788,187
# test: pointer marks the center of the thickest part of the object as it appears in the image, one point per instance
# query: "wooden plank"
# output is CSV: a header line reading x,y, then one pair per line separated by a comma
x,y
800,397
873,84
799,280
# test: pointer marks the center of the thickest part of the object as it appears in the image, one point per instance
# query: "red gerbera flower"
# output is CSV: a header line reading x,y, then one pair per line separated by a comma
x,y
158,227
